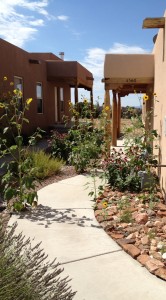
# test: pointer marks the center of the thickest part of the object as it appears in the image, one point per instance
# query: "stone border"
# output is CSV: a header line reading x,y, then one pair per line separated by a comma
x,y
144,238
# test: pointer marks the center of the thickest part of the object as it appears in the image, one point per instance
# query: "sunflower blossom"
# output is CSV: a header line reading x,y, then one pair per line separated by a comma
x,y
145,97
104,204
29,100
2,105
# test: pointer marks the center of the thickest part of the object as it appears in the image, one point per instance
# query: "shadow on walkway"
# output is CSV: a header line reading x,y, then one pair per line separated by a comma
x,y
45,216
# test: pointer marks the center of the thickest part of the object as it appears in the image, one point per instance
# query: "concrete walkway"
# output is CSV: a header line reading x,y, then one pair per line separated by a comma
x,y
100,270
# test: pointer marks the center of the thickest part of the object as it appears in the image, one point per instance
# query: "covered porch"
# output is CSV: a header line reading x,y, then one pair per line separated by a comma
x,y
73,74
126,74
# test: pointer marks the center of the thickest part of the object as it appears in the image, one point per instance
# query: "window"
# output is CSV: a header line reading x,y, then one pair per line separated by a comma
x,y
18,84
39,95
61,99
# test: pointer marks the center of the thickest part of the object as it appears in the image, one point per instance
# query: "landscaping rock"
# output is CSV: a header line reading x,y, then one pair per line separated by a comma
x,y
141,218
122,242
164,228
153,265
161,213
143,258
144,238
161,272
161,206
132,250
116,235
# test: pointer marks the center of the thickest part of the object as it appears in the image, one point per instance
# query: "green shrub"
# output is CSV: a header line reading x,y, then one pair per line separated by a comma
x,y
123,171
79,146
85,151
25,273
44,165
60,145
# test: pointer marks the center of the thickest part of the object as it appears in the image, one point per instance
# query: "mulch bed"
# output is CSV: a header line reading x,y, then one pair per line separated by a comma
x,y
139,228
66,172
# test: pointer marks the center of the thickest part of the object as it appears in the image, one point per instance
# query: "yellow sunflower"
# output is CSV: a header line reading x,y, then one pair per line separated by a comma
x,y
107,108
145,97
104,204
29,100
2,105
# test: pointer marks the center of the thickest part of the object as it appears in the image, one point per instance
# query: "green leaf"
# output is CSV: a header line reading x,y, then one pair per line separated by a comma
x,y
3,165
19,140
18,206
9,193
13,147
5,130
26,120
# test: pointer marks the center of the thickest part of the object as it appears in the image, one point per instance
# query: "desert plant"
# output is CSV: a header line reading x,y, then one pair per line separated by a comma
x,y
122,173
123,206
60,145
125,167
86,149
18,181
43,164
82,145
26,273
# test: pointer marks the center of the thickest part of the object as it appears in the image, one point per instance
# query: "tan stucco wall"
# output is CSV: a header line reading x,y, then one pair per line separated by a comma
x,y
160,107
126,66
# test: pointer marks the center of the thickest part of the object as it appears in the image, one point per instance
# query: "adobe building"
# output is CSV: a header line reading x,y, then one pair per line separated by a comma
x,y
45,78
141,73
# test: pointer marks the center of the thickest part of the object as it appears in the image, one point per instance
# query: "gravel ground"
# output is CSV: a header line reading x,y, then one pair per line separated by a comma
x,y
66,172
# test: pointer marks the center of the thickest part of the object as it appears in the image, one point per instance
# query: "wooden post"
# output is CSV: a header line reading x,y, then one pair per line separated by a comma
x,y
149,107
91,104
114,120
119,116
91,99
76,103
107,108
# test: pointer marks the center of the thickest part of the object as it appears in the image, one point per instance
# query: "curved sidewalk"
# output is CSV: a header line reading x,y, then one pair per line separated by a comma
x,y
100,270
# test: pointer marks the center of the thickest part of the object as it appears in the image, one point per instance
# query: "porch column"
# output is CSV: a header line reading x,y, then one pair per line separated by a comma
x,y
114,120
119,116
76,102
149,108
91,104
107,109
91,99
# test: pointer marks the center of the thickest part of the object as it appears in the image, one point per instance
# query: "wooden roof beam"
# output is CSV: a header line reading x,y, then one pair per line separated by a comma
x,y
154,23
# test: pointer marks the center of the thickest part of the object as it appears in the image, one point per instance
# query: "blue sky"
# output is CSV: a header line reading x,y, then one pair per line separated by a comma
x,y
83,30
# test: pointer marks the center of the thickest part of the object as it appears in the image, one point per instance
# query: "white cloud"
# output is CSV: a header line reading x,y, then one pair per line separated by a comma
x,y
18,24
94,62
62,18
125,49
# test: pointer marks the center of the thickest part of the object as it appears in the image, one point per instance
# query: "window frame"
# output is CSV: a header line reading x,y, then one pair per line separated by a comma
x,y
22,87
39,99
61,98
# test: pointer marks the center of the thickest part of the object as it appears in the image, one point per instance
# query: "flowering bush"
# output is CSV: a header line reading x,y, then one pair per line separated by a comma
x,y
60,145
125,167
82,145
123,172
